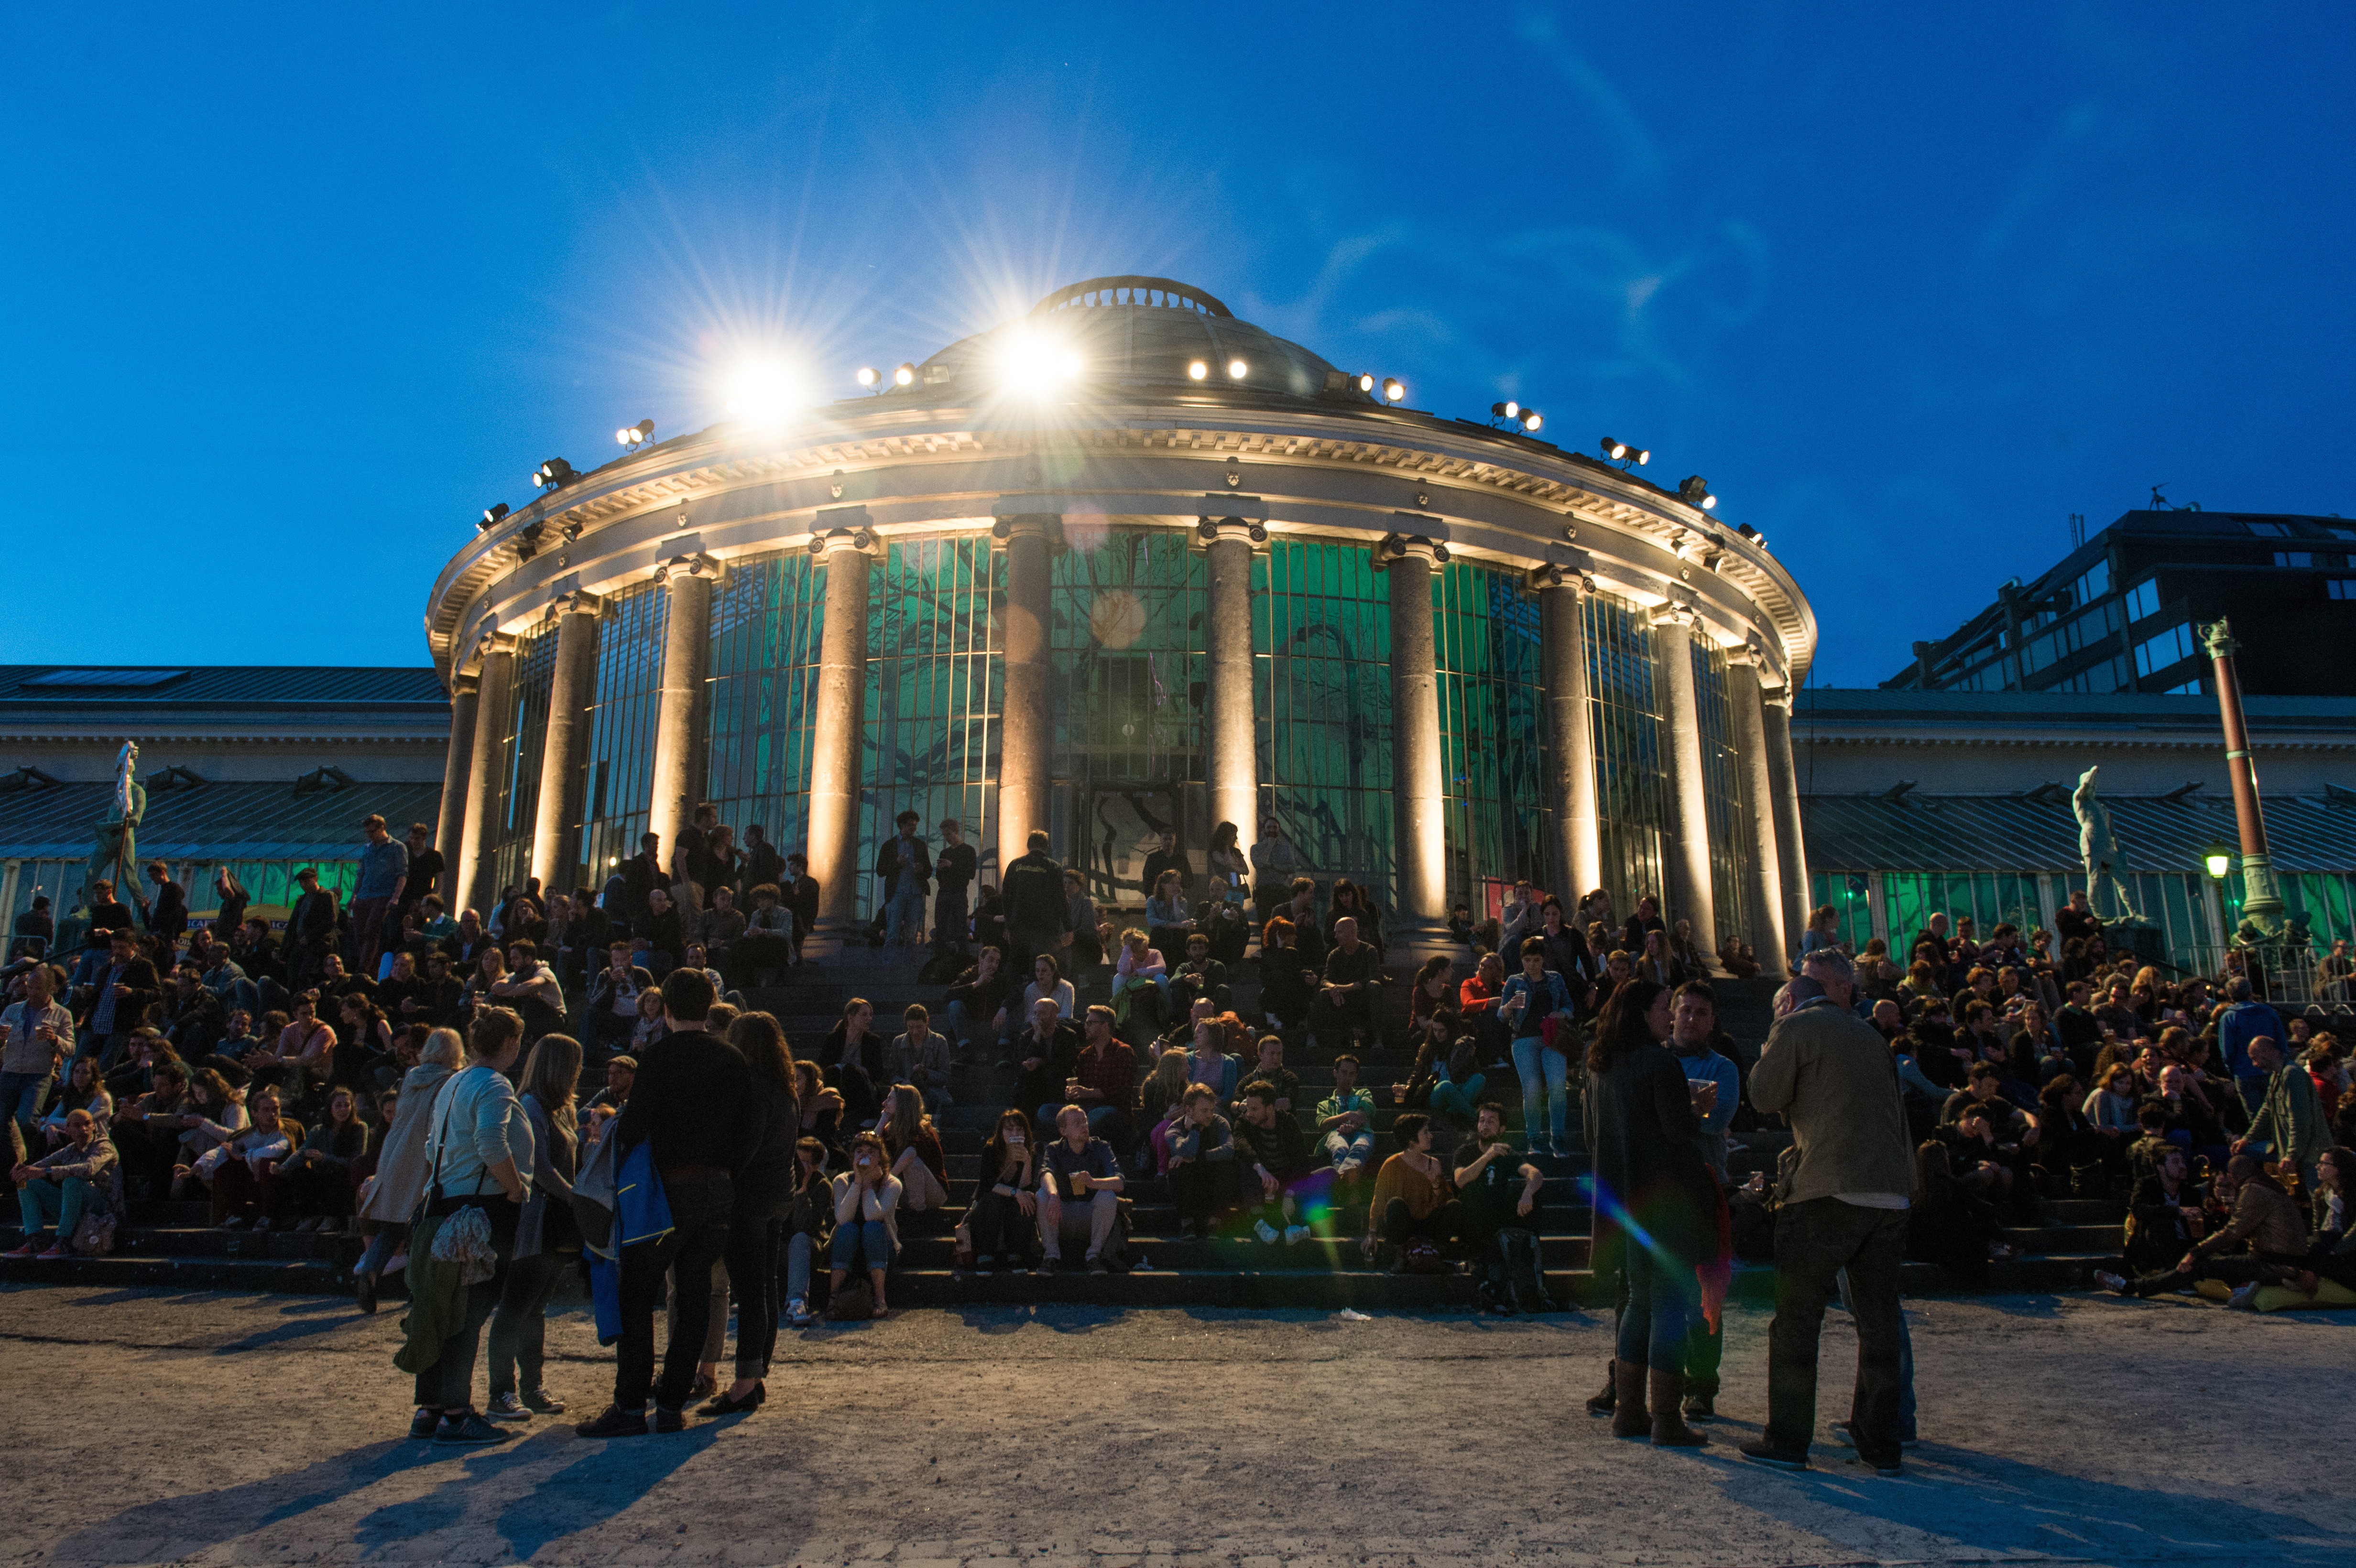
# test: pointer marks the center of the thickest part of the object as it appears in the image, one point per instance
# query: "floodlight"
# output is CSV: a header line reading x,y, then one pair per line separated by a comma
x,y
1532,419
1238,370
635,435
491,516
906,376
869,375
1196,370
1694,492
1366,382
1394,390
554,472
1619,452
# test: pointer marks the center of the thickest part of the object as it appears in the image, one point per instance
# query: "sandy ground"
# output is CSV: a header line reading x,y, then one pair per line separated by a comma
x,y
217,1428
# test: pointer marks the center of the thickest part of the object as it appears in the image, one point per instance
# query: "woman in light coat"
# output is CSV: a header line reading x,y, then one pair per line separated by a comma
x,y
398,1183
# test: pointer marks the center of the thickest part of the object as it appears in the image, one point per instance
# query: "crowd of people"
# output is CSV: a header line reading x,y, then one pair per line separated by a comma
x,y
461,1089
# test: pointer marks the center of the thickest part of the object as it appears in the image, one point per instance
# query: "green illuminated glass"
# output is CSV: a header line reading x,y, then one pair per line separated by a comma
x,y
1631,769
620,785
1722,776
1126,683
761,692
521,749
1322,707
935,686
1493,733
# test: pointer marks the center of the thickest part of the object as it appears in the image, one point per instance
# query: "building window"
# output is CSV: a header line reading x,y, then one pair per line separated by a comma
x,y
622,724
2091,585
2189,688
2343,588
2270,530
1630,765
517,788
2143,600
1721,772
2338,532
1492,732
2301,558
761,692
2156,653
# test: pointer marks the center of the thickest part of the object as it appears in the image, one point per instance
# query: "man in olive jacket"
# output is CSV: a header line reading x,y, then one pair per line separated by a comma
x,y
1831,1076
2290,1123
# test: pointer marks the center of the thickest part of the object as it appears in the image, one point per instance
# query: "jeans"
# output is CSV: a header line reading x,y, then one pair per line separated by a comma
x,y
520,1322
753,1264
864,1244
368,930
388,1240
949,913
906,913
21,1096
449,1382
1814,1241
802,1250
1905,1361
699,1208
1543,1071
962,1027
45,1202
1462,1101
1339,1147
1664,1298
1442,1224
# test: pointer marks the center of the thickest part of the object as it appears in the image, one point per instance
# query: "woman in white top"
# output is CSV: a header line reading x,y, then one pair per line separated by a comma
x,y
83,1091
1047,982
866,1216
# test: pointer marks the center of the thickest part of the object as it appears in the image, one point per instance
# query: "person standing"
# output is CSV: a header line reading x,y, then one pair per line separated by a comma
x,y
764,1200
762,863
424,872
1038,915
693,1099
1274,865
1654,1208
2240,1021
691,860
1829,1074
383,875
1715,1084
167,913
954,870
1165,856
905,864
2290,1126
547,1237
310,930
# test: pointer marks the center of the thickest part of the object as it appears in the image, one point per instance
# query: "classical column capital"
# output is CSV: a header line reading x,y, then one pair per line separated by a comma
x,y
1210,530
1048,525
1673,614
464,683
1559,574
1420,546
492,642
1746,656
579,601
696,565
834,541
1776,697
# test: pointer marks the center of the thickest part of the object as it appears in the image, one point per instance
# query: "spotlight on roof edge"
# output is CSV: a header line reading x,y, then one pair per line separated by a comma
x,y
1197,370
1035,362
906,376
491,516
1621,453
1527,418
1366,382
765,392
1695,492
554,472
1238,370
1394,390
634,436
869,375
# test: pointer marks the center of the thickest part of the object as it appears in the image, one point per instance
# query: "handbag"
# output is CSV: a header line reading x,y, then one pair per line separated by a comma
x,y
462,1239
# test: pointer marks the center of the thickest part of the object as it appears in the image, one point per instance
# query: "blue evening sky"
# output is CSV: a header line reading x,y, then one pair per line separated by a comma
x,y
294,292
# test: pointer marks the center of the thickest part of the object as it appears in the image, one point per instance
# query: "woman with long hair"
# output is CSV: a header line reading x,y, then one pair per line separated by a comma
x,y
1654,1208
853,1057
866,1218
83,1089
1161,1101
1006,1199
1350,901
547,1239
915,1149
319,1176
821,1111
763,1198
1228,877
1168,916
390,1200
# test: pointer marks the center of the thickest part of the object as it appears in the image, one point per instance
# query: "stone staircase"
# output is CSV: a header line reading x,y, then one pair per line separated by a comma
x,y
171,1244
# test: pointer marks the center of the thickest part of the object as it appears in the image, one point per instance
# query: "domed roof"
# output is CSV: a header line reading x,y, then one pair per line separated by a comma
x,y
1138,331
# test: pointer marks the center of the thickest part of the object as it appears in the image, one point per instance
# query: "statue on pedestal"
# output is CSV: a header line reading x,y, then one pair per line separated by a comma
x,y
2106,893
115,856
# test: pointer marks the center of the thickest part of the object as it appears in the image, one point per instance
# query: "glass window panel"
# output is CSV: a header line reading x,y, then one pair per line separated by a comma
x,y
761,691
1632,804
620,783
521,749
1493,733
1721,772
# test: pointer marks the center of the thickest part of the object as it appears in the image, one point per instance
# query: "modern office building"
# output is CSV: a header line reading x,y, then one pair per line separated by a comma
x,y
2120,613
1125,562
1959,801
264,768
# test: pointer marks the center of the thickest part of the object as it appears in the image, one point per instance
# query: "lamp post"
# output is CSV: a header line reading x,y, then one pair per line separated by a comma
x,y
2262,904
2219,860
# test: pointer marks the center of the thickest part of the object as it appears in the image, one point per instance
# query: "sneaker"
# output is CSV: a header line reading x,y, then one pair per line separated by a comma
x,y
331,1227
263,1223
307,1225
797,1313
470,1429
2116,1283
235,1223
1046,1268
614,1422
981,1268
1295,1235
2244,1299
1759,1451
61,1252
422,1425
544,1402
507,1407
397,1263
1847,1439
29,1250
1097,1265
667,1420
1265,1231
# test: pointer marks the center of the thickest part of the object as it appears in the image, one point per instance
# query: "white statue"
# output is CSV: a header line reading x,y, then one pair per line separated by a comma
x,y
2105,890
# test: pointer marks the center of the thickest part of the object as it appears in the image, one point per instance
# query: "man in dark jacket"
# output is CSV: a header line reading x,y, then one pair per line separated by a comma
x,y
107,917
167,912
310,930
118,1002
906,863
761,862
1038,915
692,1098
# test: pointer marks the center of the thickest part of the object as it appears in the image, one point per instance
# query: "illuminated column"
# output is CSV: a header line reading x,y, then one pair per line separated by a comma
x,y
494,705
458,766
1230,755
1570,736
1687,853
838,727
1766,889
1027,726
1417,797
555,853
2261,900
1790,850
678,704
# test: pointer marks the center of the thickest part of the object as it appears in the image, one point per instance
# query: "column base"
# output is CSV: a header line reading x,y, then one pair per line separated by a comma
x,y
1409,943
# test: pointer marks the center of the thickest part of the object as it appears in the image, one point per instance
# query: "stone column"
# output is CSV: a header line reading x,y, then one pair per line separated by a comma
x,y
1027,725
1570,736
1416,779
457,767
1687,853
679,740
1230,754
555,851
838,728
1768,937
494,708
1791,850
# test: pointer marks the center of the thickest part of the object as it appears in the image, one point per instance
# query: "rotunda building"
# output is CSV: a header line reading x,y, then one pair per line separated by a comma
x,y
1125,563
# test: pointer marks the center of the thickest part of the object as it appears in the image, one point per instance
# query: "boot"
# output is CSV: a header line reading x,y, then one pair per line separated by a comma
x,y
1602,1403
1669,1428
1700,1406
1629,1416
